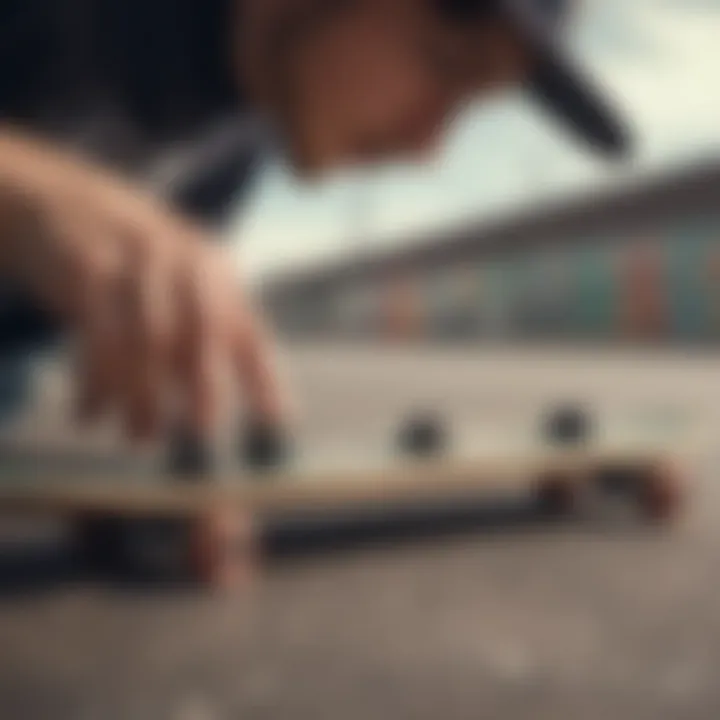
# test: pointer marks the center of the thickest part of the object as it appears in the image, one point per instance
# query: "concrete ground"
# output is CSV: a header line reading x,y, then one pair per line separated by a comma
x,y
517,623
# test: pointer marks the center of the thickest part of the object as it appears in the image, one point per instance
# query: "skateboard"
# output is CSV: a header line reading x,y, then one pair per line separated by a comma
x,y
204,528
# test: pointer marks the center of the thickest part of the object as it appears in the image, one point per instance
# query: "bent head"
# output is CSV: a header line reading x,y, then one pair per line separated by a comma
x,y
352,81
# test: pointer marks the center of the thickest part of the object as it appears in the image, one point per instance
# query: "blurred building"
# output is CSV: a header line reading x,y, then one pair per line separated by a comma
x,y
638,262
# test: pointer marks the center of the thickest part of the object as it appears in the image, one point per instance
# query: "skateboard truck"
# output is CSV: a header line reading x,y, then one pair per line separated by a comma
x,y
569,424
264,447
191,457
423,435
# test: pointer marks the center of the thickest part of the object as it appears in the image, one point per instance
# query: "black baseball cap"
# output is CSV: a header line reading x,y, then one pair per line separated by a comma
x,y
555,82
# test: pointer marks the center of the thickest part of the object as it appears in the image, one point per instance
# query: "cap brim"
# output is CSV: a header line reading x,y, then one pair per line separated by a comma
x,y
572,99
560,87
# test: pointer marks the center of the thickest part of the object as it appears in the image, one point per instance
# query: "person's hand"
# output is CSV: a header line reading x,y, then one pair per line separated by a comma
x,y
153,301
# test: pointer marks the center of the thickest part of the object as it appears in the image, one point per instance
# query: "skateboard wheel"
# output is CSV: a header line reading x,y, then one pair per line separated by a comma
x,y
660,493
556,495
264,447
423,436
223,550
216,550
567,425
190,455
132,549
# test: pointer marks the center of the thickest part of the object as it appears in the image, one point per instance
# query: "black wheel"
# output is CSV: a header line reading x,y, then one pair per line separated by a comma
x,y
655,490
190,457
423,435
133,549
264,447
215,550
569,424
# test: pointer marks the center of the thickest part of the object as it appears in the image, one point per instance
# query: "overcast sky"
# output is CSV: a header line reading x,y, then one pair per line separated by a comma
x,y
660,60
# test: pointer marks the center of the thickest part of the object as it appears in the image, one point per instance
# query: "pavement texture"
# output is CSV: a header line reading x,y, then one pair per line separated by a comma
x,y
488,622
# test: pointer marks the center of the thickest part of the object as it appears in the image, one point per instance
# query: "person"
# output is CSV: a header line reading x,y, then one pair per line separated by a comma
x,y
128,128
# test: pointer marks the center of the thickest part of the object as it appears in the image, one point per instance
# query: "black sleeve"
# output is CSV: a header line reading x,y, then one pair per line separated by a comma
x,y
23,326
29,71
30,46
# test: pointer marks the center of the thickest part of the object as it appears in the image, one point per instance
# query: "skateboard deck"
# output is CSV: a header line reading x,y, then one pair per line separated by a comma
x,y
334,478
637,460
